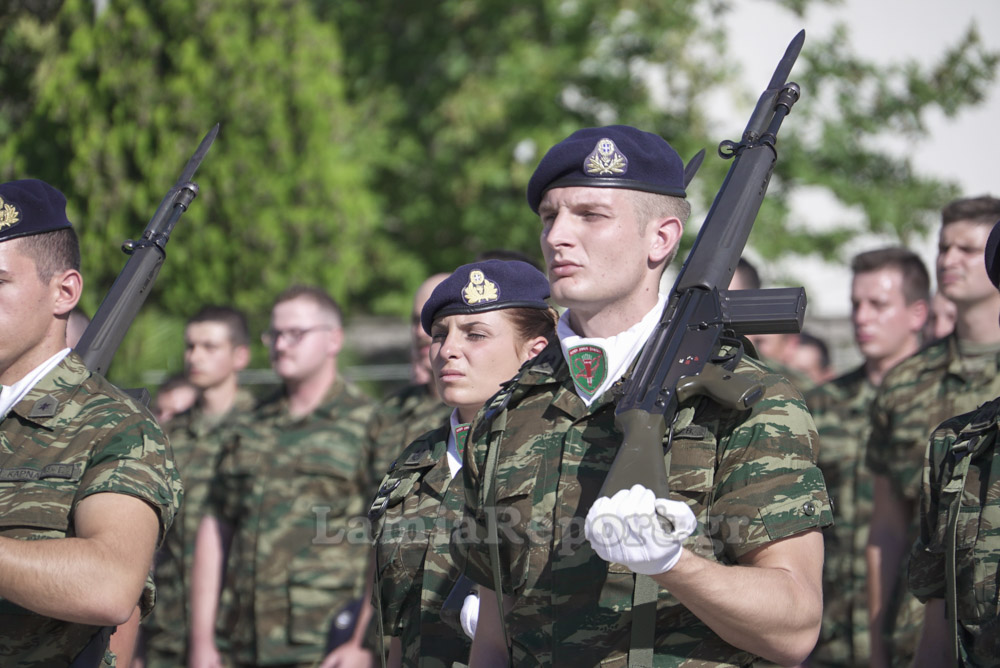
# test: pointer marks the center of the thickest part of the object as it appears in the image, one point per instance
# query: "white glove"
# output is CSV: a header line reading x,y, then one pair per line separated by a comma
x,y
627,529
470,614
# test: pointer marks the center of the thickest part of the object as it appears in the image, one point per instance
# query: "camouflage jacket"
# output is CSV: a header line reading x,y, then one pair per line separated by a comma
x,y
750,478
918,394
415,513
841,409
962,474
398,420
196,440
293,489
73,435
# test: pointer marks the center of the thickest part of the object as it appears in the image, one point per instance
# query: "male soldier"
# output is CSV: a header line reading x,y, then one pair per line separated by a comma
x,y
956,558
941,321
889,295
87,484
812,358
415,409
949,376
216,349
746,480
291,483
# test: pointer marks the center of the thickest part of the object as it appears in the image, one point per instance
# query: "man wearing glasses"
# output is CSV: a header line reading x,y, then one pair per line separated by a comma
x,y
282,525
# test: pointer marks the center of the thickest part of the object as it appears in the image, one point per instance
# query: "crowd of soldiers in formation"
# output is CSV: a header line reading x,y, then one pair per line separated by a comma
x,y
322,528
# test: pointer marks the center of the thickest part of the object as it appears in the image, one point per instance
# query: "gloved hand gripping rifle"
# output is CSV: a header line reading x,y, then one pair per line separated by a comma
x,y
122,303
680,359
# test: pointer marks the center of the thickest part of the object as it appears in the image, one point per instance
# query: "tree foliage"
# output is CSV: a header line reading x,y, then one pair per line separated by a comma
x,y
120,101
367,143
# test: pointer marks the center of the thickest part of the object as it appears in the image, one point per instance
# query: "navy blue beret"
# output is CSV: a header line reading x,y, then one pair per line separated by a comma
x,y
615,156
993,255
30,207
488,285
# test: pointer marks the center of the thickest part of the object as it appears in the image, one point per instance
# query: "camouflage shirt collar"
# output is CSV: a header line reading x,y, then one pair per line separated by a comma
x,y
953,360
277,405
50,402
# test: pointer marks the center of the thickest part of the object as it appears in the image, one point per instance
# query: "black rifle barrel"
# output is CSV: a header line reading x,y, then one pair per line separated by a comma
x,y
106,330
677,361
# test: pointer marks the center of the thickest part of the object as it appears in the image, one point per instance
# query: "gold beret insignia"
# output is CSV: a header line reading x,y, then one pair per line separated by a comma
x,y
479,289
605,160
9,215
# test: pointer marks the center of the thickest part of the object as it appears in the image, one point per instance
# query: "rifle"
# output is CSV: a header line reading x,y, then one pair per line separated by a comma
x,y
120,306
680,360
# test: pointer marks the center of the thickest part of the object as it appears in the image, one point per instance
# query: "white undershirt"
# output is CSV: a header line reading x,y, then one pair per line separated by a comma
x,y
11,394
454,457
621,349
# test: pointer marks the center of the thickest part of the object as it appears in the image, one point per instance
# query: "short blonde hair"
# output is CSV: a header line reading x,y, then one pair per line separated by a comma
x,y
651,206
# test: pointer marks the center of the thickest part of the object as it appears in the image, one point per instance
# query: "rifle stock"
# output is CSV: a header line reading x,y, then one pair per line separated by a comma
x,y
679,360
106,330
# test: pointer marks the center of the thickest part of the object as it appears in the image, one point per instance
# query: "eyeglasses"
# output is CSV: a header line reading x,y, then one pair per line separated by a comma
x,y
292,336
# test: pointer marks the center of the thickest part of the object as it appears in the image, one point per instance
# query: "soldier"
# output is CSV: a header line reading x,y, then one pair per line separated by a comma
x,y
87,484
745,481
956,559
942,318
947,377
415,409
216,349
811,357
284,508
476,347
889,295
396,421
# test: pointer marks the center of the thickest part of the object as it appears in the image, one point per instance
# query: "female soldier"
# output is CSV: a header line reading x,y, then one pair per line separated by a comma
x,y
485,320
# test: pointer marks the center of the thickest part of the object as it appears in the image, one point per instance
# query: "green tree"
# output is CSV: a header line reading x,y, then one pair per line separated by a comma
x,y
474,90
367,143
121,99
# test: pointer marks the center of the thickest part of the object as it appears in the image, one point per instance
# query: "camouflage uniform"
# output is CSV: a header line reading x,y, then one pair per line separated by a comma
x,y
962,473
416,571
398,420
72,435
749,477
196,440
841,409
293,490
922,391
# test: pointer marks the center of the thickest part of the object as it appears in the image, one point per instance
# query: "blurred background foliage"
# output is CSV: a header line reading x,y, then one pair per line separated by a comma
x,y
368,143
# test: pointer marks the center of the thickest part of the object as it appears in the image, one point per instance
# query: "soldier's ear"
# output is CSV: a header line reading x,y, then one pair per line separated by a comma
x,y
241,357
919,312
66,287
665,234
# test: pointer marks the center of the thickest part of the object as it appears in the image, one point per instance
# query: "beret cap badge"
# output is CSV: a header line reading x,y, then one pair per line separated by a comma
x,y
479,289
605,160
9,215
